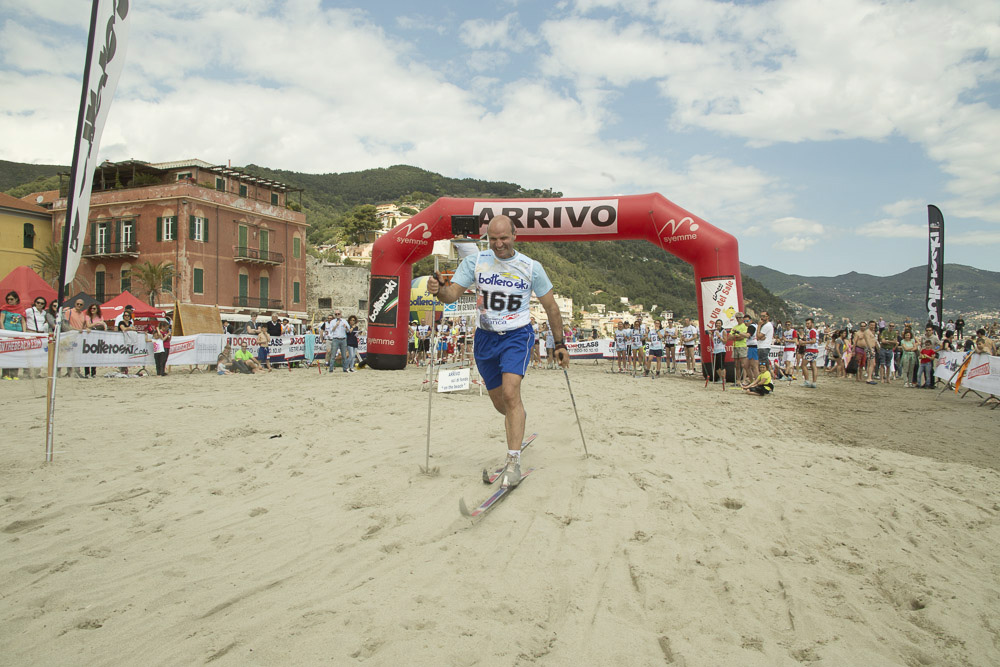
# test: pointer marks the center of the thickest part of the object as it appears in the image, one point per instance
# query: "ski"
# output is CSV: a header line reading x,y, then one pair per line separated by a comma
x,y
490,502
490,477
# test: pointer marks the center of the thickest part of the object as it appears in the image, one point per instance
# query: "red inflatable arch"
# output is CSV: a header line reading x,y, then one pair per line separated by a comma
x,y
712,252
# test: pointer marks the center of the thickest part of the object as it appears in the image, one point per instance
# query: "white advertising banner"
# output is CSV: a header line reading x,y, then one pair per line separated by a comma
x,y
78,349
195,350
23,350
982,374
719,301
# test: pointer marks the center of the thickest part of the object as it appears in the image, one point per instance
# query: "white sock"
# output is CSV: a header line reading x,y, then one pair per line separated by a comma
x,y
516,453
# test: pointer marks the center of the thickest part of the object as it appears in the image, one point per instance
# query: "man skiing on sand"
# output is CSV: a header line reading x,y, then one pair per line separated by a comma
x,y
504,281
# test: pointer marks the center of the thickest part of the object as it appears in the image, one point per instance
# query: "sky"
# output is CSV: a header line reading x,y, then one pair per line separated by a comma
x,y
816,132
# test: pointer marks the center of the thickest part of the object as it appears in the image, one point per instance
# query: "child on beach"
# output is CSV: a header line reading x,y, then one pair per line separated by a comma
x,y
763,385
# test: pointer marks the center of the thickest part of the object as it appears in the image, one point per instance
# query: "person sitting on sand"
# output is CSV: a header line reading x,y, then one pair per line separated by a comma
x,y
243,360
763,385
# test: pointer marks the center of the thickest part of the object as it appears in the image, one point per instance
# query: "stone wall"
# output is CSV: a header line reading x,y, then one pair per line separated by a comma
x,y
345,286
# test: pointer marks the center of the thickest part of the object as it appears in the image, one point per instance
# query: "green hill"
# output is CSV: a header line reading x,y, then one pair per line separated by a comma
x,y
968,291
19,179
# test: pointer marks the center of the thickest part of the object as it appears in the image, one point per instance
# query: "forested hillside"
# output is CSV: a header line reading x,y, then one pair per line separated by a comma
x,y
19,179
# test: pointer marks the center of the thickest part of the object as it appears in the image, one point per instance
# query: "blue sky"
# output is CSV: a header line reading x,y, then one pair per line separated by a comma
x,y
816,132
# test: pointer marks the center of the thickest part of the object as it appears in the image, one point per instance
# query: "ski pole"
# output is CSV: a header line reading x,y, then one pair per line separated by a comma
x,y
586,454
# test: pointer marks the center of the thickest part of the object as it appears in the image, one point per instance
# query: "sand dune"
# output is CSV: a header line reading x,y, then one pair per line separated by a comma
x,y
706,528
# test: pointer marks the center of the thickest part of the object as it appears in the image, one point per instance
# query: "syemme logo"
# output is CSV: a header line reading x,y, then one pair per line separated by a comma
x,y
500,281
669,230
598,216
390,289
409,229
380,341
186,346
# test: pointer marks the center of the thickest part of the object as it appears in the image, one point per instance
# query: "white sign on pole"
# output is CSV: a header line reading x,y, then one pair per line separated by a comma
x,y
453,379
465,306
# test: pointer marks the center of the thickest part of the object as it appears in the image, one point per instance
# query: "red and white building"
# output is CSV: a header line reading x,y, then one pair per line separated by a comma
x,y
234,240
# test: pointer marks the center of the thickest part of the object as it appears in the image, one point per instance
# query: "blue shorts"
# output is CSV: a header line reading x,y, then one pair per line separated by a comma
x,y
262,353
497,354
752,352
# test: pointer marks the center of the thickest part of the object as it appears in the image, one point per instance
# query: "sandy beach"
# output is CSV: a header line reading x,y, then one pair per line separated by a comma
x,y
283,519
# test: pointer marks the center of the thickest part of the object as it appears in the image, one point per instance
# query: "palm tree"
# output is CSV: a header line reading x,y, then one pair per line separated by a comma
x,y
154,277
48,263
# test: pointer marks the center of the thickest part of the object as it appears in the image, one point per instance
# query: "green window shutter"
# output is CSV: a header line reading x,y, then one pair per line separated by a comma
x,y
199,281
296,247
93,235
191,228
204,230
159,229
295,292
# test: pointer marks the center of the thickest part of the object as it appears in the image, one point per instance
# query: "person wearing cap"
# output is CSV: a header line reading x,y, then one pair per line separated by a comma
x,y
739,335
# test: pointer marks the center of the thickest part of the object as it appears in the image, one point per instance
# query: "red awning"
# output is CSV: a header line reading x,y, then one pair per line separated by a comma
x,y
114,308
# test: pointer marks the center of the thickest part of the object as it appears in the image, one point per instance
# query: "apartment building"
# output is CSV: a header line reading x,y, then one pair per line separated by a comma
x,y
233,239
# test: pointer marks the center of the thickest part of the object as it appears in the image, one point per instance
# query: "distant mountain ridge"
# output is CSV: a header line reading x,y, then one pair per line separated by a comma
x,y
968,292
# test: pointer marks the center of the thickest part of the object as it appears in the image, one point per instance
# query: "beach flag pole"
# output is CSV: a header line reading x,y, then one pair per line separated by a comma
x,y
430,370
586,454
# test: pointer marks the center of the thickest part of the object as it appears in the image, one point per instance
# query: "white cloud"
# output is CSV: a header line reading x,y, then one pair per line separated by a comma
x,y
904,207
420,22
808,70
892,229
981,237
797,226
505,34
795,244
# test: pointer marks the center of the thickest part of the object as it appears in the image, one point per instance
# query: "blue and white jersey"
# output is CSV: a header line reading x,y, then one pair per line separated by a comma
x,y
655,338
503,288
620,338
670,335
637,336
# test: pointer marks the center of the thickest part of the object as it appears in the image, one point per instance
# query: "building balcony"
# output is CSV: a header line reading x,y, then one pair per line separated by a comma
x,y
257,256
256,302
126,249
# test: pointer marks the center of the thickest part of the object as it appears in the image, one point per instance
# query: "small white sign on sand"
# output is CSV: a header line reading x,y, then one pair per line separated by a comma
x,y
453,379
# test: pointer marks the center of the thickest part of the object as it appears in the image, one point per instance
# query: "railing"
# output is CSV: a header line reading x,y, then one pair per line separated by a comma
x,y
105,249
256,255
256,302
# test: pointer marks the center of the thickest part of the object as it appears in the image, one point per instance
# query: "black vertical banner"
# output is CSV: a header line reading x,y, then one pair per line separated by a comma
x,y
935,267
